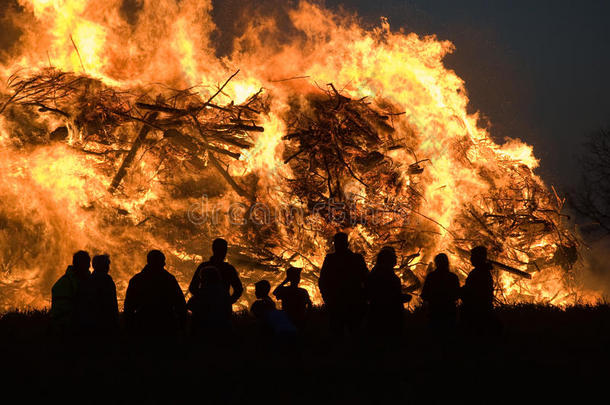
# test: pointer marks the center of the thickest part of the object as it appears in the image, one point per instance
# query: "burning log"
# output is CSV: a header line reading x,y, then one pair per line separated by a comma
x,y
501,266
137,144
510,269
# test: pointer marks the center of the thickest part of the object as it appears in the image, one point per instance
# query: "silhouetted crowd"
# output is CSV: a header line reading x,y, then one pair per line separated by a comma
x,y
355,298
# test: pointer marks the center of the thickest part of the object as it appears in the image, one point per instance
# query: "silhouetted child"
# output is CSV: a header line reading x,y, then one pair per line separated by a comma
x,y
440,293
295,300
104,307
263,303
274,323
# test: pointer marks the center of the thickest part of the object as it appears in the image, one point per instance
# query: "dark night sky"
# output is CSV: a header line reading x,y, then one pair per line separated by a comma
x,y
539,70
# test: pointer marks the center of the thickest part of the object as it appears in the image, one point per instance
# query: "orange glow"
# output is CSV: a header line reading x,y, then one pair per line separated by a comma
x,y
56,195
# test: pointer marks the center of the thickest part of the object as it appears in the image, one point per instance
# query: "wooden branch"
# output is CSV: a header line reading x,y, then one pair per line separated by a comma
x,y
510,269
220,89
78,53
227,176
137,144
241,127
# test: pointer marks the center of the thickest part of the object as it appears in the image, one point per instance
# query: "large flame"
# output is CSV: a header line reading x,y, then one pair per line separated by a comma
x,y
55,198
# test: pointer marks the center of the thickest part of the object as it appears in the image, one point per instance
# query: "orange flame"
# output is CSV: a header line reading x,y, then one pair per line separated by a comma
x,y
58,189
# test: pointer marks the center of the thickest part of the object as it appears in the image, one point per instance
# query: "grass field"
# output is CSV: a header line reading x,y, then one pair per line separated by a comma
x,y
545,355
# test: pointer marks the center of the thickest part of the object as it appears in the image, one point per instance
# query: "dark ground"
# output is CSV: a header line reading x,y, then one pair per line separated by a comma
x,y
546,355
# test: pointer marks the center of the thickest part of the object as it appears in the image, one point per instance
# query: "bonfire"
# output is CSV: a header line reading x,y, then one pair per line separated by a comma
x,y
374,141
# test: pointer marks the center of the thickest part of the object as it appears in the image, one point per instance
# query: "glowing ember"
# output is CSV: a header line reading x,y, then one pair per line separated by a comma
x,y
337,128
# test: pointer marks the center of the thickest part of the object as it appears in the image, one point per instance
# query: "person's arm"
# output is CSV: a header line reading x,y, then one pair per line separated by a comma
x,y
114,303
236,285
194,285
308,303
465,290
129,305
490,289
363,269
179,304
455,289
323,280
404,297
425,291
277,292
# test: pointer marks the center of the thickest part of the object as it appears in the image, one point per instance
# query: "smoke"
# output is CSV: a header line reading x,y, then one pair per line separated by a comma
x,y
597,275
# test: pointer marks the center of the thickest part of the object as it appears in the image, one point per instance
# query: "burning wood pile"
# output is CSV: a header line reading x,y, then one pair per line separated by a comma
x,y
347,168
190,129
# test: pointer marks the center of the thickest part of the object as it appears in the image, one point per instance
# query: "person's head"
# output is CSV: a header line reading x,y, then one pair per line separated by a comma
x,y
340,241
386,257
293,274
81,260
441,261
478,256
155,259
219,248
101,263
261,289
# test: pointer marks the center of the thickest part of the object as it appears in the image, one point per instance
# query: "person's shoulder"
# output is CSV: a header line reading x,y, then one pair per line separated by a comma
x,y
330,256
281,290
203,265
357,255
138,276
61,281
169,275
303,291
229,267
432,275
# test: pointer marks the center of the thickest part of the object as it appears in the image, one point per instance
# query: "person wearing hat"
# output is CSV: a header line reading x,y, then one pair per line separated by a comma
x,y
295,300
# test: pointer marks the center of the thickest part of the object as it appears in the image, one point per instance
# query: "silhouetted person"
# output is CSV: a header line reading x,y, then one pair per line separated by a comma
x,y
386,299
69,296
104,307
263,303
440,293
228,274
478,294
295,300
341,283
211,306
274,324
154,302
